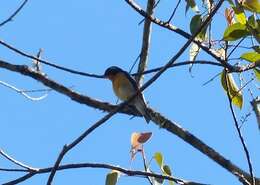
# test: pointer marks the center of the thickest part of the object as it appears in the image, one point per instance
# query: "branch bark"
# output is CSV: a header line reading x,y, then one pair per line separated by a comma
x,y
104,166
146,43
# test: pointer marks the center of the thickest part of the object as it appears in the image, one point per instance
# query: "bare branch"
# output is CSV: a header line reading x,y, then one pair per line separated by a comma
x,y
17,162
146,43
104,166
22,92
174,11
14,14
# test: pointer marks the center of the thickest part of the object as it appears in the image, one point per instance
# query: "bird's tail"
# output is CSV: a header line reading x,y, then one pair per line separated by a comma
x,y
142,108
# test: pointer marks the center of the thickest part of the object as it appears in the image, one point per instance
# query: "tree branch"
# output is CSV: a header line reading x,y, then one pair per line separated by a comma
x,y
18,163
22,92
104,166
14,14
146,43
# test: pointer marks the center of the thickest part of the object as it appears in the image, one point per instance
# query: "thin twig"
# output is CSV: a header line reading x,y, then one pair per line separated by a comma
x,y
18,163
145,164
14,14
174,11
48,63
235,47
22,92
211,79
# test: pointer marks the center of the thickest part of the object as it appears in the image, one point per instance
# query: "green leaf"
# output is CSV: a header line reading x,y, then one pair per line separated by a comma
x,y
233,91
252,22
257,74
112,178
251,5
191,4
235,31
251,56
167,171
195,23
240,15
159,159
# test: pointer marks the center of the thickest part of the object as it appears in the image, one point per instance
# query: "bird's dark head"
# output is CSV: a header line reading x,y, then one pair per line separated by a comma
x,y
112,71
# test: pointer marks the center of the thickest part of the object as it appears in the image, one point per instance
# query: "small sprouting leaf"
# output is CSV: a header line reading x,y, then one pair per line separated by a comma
x,y
229,14
191,4
240,15
257,73
145,136
251,5
251,56
235,31
139,138
233,91
112,178
159,159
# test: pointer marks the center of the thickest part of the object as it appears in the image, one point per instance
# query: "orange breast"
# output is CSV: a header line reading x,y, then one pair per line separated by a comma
x,y
122,87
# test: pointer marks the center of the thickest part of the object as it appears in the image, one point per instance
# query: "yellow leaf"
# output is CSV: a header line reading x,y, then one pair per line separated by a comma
x,y
229,84
159,159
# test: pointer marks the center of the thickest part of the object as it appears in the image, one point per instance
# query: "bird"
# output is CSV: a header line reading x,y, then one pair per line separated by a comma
x,y
124,87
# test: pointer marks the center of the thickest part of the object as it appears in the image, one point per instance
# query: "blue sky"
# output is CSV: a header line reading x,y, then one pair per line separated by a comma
x,y
90,36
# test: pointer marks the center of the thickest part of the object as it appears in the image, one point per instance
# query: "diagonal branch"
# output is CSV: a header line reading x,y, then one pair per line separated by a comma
x,y
146,43
14,14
